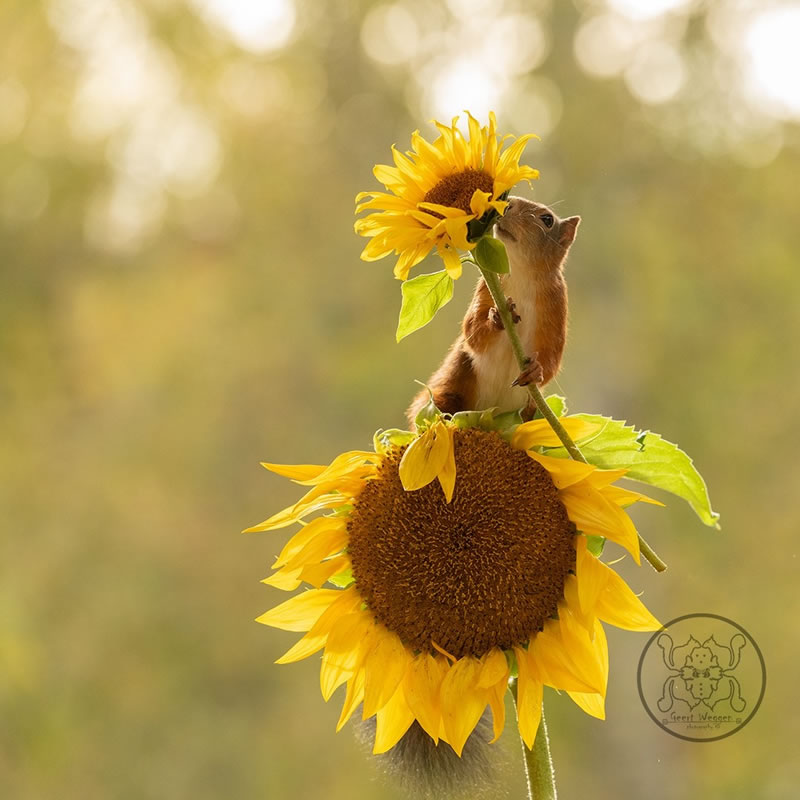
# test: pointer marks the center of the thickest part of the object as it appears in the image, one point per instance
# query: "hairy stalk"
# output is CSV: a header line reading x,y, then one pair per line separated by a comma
x,y
539,772
492,280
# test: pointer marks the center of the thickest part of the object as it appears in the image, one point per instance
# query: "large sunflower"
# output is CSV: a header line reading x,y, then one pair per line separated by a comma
x,y
459,556
435,191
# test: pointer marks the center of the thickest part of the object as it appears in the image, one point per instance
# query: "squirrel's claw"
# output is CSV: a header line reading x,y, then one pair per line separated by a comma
x,y
496,320
533,373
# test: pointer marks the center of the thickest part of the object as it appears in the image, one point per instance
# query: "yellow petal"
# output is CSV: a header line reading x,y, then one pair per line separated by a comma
x,y
424,457
490,158
452,261
352,699
286,580
595,515
386,664
626,497
316,527
375,250
297,472
317,574
594,703
479,204
348,601
421,686
494,669
348,638
409,258
463,702
330,541
591,575
619,606
475,142
344,464
572,599
563,471
584,650
300,612
447,474
497,702
297,512
538,433
561,664
393,720
529,696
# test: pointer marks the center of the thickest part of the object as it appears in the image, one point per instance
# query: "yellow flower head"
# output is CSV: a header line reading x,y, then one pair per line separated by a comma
x,y
458,555
435,191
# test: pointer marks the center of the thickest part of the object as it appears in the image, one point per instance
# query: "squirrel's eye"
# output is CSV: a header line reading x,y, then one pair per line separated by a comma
x,y
547,219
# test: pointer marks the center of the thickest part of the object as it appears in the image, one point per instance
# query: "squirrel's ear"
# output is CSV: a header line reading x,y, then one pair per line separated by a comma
x,y
567,230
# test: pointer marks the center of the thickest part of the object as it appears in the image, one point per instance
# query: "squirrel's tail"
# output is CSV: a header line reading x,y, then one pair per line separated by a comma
x,y
428,770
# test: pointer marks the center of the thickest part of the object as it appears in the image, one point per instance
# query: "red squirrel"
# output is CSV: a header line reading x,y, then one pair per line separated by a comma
x,y
480,370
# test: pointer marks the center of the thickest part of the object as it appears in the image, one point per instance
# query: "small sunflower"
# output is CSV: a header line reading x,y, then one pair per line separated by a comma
x,y
458,555
435,191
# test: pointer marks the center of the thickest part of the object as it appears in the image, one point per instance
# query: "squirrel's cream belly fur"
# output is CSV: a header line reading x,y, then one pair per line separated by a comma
x,y
497,368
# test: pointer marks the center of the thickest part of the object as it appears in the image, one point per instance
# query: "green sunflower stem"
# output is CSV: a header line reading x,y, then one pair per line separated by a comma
x,y
492,280
539,773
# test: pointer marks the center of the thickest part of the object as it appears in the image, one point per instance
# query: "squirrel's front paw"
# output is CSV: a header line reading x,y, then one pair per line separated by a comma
x,y
496,320
533,373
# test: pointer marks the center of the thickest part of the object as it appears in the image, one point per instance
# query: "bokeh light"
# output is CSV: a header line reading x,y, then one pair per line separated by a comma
x,y
256,25
772,47
656,73
648,9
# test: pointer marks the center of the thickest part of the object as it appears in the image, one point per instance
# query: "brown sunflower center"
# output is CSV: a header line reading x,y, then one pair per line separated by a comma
x,y
485,570
456,190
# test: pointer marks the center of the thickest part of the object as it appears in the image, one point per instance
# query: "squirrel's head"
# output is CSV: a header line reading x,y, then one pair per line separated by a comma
x,y
531,232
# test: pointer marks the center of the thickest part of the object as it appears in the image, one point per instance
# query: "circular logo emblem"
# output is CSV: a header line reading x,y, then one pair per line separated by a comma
x,y
702,677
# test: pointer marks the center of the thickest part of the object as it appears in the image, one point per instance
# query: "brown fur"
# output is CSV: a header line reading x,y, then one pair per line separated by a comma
x,y
537,255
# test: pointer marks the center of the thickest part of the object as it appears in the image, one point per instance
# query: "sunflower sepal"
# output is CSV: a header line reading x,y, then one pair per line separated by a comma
x,y
343,579
485,420
385,439
595,545
428,414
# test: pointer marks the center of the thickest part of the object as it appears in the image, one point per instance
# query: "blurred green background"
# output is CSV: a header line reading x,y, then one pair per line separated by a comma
x,y
181,297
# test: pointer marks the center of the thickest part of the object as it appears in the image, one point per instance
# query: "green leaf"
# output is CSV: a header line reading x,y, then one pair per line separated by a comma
x,y
423,296
557,403
649,459
491,254
383,440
